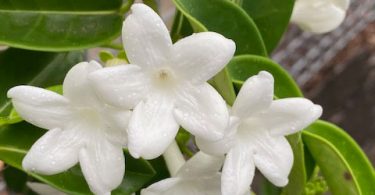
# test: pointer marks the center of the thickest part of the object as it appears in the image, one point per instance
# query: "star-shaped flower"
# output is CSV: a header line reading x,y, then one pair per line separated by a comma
x,y
319,16
198,176
165,83
80,129
255,137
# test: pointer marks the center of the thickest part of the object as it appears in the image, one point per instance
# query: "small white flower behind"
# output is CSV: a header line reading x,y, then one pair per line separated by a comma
x,y
319,16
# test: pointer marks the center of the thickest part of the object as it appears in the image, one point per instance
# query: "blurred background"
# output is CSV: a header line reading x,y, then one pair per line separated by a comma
x,y
335,70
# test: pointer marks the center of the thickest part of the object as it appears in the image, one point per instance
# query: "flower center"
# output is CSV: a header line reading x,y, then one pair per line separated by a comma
x,y
164,78
90,115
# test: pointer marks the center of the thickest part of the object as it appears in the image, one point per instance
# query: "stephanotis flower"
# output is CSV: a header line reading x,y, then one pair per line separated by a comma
x,y
319,16
198,176
80,129
165,83
43,189
255,136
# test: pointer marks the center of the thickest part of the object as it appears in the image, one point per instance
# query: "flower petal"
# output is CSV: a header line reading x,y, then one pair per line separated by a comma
x,y
146,39
76,86
319,16
202,111
255,95
118,121
201,165
287,116
123,85
55,152
238,171
201,55
274,158
161,187
43,189
103,165
221,146
152,127
40,107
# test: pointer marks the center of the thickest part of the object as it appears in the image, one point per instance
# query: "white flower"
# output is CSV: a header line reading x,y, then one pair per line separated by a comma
x,y
256,135
166,83
43,189
319,16
81,129
198,176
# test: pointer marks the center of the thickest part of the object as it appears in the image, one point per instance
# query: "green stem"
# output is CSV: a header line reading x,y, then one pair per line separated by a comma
x,y
173,158
223,84
126,7
113,46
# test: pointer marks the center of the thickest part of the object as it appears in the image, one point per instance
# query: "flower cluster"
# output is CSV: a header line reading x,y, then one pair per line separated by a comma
x,y
140,106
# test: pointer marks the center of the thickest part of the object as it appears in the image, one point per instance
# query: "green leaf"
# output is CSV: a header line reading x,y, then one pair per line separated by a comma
x,y
342,162
225,18
271,17
15,140
24,67
138,172
242,67
55,25
15,179
181,27
223,84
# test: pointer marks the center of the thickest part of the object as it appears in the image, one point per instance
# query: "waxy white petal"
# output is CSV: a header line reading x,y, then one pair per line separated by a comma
x,y
103,165
201,165
273,157
161,187
200,56
202,186
55,152
255,95
146,39
124,85
76,86
287,116
152,127
221,146
238,171
118,121
43,189
319,16
40,107
202,111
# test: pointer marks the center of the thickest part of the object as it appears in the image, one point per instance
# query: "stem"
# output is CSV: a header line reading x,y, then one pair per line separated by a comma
x,y
173,158
113,46
125,7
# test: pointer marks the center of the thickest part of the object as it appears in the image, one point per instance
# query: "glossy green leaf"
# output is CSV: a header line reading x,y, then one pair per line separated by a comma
x,y
342,162
24,67
223,84
16,139
15,179
242,67
182,138
271,17
55,25
181,27
225,18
